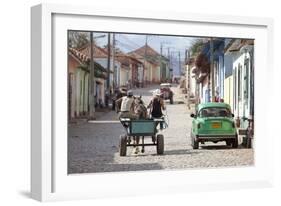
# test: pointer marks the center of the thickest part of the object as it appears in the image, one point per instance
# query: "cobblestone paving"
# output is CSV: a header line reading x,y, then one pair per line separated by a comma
x,y
93,147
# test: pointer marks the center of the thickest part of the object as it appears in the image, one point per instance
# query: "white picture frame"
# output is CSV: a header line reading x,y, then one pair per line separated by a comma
x,y
49,179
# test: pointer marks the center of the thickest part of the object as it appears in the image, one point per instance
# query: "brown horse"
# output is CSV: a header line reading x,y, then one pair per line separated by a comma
x,y
139,108
141,111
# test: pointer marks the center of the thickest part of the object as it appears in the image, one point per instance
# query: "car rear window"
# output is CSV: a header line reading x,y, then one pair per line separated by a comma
x,y
214,112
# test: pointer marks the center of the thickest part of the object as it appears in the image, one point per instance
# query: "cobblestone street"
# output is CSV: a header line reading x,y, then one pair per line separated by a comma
x,y
93,147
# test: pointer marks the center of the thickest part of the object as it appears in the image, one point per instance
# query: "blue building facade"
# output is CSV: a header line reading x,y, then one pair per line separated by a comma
x,y
218,69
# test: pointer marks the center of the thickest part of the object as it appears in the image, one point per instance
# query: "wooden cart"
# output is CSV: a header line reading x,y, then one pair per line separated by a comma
x,y
141,129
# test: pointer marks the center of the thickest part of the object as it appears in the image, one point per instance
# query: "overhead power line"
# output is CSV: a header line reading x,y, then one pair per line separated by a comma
x,y
129,40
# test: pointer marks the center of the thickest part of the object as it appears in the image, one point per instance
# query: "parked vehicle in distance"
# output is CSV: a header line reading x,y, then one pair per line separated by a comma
x,y
166,91
213,122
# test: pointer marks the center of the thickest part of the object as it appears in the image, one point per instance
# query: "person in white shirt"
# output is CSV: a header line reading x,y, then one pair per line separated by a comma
x,y
127,106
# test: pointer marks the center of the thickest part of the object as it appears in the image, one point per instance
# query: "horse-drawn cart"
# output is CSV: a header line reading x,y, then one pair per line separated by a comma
x,y
136,129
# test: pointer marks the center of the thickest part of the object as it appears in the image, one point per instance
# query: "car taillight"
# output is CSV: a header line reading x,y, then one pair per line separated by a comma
x,y
198,126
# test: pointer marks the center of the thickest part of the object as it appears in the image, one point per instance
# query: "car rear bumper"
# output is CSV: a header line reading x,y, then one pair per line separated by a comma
x,y
216,137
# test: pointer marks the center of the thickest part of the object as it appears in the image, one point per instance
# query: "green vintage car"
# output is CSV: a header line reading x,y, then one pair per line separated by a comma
x,y
213,122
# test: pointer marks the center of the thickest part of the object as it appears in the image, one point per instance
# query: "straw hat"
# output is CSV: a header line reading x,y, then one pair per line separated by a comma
x,y
157,92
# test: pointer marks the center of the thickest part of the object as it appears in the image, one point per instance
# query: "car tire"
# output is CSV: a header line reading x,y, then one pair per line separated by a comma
x,y
228,142
195,143
160,144
123,145
235,142
249,143
249,140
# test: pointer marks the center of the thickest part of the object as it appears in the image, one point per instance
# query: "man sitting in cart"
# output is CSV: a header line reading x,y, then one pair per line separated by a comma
x,y
156,106
126,105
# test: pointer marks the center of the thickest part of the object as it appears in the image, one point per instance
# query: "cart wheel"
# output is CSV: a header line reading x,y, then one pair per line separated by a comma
x,y
123,145
153,139
160,144
171,100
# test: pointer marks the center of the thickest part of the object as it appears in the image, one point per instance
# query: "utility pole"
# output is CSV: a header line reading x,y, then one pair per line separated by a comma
x,y
160,61
188,79
185,57
113,62
92,80
108,71
180,62
169,63
145,52
212,73
108,62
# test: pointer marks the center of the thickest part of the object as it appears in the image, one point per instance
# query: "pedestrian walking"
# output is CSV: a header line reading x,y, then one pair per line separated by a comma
x,y
117,94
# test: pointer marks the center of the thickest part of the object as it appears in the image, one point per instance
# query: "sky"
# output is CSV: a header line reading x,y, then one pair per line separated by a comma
x,y
130,42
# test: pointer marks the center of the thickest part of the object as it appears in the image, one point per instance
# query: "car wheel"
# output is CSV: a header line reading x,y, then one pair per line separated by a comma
x,y
249,140
160,144
235,142
228,142
195,143
249,143
123,145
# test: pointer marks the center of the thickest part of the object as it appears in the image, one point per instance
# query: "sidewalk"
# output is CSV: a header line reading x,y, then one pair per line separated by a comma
x,y
100,114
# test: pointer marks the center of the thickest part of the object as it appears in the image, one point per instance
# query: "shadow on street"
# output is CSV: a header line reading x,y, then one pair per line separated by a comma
x,y
215,147
181,152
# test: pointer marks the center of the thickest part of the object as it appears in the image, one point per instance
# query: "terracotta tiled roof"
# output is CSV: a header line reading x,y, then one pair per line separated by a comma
x,y
123,60
136,56
237,44
84,59
149,51
84,55
126,58
135,59
98,51
146,51
81,56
